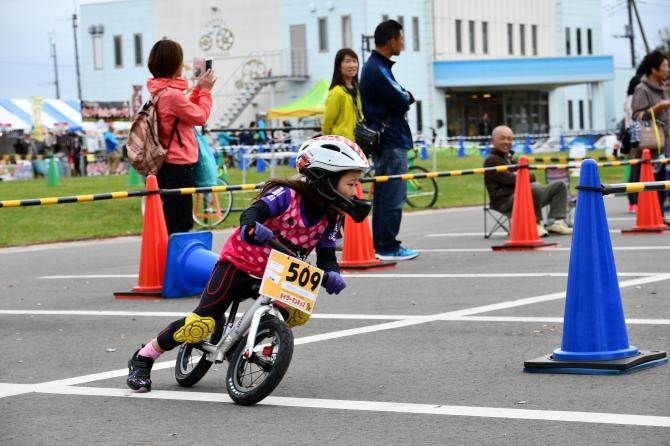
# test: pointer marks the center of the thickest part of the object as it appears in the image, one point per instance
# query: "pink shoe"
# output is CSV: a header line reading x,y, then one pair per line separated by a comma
x,y
632,208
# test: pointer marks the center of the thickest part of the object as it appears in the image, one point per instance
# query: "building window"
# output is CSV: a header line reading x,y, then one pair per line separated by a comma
x,y
459,41
118,52
567,41
419,116
385,17
346,31
522,39
97,52
415,35
401,20
589,41
471,35
581,114
579,41
510,38
485,37
571,120
533,38
138,49
323,34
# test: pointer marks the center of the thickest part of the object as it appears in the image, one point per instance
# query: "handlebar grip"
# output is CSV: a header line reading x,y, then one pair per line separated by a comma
x,y
279,246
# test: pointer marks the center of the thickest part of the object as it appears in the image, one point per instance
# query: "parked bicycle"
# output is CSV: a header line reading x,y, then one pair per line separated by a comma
x,y
421,192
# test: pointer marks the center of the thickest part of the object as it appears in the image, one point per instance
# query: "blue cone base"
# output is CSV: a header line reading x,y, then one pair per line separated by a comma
x,y
644,360
605,355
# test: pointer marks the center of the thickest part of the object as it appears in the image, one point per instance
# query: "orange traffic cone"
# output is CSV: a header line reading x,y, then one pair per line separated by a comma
x,y
649,218
154,249
358,251
523,233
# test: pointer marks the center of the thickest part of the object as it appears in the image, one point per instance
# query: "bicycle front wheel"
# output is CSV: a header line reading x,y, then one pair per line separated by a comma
x,y
211,208
421,192
251,379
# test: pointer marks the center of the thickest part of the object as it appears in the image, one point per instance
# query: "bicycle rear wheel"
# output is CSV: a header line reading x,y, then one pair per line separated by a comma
x,y
421,192
191,364
211,208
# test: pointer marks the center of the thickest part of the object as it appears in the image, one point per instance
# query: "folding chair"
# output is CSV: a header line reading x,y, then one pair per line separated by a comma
x,y
500,220
553,174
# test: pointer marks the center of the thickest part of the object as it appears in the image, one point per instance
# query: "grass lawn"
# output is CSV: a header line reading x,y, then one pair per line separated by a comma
x,y
51,223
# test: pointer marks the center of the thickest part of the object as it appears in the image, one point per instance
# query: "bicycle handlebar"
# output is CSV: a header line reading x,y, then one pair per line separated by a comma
x,y
279,246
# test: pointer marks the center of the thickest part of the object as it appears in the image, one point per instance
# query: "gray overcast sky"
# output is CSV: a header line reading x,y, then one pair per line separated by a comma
x,y
26,67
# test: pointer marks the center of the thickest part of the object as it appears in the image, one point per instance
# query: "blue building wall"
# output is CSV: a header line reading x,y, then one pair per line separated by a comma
x,y
118,18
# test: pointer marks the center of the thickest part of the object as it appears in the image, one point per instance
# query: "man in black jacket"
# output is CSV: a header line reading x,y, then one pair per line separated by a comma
x,y
385,104
500,186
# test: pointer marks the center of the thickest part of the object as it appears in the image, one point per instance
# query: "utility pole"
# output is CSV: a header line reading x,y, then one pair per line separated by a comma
x,y
52,48
76,55
639,23
630,33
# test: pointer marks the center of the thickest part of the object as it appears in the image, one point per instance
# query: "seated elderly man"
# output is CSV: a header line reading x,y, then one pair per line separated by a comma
x,y
500,186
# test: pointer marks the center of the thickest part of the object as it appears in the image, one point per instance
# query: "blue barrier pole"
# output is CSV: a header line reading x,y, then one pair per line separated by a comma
x,y
563,147
260,162
461,146
291,161
527,146
424,150
592,143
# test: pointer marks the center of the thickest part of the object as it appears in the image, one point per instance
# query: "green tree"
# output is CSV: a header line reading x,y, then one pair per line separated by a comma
x,y
664,36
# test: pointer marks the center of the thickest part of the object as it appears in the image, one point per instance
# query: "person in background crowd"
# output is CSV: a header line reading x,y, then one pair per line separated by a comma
x,y
111,150
385,104
501,185
484,126
343,104
177,115
651,92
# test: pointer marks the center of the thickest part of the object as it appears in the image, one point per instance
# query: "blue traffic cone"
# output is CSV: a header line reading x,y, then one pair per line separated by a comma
x,y
595,341
189,263
461,146
487,149
291,161
260,162
424,151
563,147
241,160
527,145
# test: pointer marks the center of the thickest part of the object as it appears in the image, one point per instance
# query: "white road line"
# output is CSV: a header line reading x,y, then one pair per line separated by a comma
x,y
480,233
377,327
550,320
333,316
614,248
377,406
387,275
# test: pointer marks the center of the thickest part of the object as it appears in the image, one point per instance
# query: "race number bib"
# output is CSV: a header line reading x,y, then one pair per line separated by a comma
x,y
291,281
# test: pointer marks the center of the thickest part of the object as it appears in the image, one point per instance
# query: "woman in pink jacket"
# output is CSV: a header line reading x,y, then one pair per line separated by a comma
x,y
177,114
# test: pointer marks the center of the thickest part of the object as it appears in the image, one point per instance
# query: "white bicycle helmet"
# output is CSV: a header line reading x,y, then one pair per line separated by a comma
x,y
323,160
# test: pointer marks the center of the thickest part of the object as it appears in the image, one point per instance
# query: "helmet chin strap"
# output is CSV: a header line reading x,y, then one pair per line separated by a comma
x,y
356,208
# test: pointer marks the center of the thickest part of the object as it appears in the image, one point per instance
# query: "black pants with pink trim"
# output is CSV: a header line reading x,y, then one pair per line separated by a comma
x,y
225,284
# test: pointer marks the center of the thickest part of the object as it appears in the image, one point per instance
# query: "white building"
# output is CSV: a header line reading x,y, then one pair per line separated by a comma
x,y
532,64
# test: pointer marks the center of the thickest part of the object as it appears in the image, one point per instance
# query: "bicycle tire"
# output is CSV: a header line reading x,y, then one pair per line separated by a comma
x,y
422,192
189,370
212,208
272,365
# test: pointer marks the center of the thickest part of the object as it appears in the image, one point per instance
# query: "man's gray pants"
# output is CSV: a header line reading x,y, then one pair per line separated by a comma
x,y
554,194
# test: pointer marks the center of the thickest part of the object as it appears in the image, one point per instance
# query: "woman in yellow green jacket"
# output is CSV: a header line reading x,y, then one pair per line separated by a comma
x,y
339,116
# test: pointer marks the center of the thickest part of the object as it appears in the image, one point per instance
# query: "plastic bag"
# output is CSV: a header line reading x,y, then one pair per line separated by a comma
x,y
205,172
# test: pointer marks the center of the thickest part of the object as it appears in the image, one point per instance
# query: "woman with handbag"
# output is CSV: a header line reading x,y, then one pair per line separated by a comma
x,y
651,110
177,115
343,105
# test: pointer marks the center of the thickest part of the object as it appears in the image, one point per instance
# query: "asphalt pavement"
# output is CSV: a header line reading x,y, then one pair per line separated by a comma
x,y
430,352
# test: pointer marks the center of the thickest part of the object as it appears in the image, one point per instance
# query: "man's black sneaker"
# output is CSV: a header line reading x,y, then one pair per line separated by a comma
x,y
139,373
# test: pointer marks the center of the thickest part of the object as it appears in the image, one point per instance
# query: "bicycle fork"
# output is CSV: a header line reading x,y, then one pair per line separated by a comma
x,y
249,322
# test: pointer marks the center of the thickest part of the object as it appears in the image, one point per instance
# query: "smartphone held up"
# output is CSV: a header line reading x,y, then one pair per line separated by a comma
x,y
200,66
